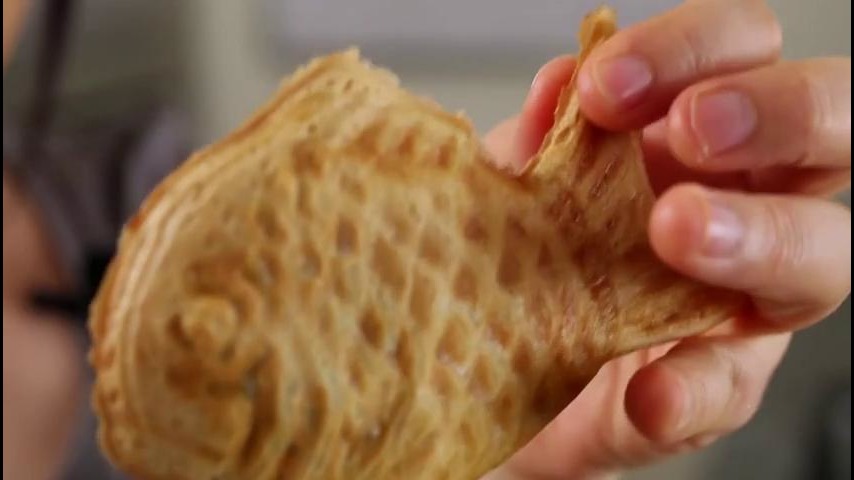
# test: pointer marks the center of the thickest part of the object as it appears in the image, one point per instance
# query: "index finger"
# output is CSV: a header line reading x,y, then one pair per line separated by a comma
x,y
630,80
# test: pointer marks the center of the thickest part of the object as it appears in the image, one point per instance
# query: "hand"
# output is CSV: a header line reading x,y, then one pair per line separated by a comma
x,y
744,150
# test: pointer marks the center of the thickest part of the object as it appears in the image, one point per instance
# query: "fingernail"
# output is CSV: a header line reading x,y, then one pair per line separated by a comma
x,y
724,230
623,80
722,120
536,77
701,440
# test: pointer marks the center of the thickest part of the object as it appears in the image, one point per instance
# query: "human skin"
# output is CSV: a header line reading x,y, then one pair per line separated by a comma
x,y
42,387
42,354
744,182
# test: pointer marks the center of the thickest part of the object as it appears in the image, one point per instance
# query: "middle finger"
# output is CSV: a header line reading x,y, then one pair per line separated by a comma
x,y
792,114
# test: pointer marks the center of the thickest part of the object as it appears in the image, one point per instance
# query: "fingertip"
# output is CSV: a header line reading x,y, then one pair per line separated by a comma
x,y
553,75
516,140
499,143
657,403
677,224
588,93
590,100
550,79
613,87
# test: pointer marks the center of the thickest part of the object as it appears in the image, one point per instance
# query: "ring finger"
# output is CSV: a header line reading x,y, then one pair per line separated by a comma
x,y
792,254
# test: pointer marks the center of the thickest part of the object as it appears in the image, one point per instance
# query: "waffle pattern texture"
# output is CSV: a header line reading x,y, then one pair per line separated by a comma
x,y
345,288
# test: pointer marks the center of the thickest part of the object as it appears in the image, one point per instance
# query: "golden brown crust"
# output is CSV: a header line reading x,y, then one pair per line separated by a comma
x,y
343,288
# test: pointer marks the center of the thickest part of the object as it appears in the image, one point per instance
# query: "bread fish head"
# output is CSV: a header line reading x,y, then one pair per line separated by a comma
x,y
345,287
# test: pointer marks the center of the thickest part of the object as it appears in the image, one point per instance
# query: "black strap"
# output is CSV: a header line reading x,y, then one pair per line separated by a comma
x,y
51,55
76,306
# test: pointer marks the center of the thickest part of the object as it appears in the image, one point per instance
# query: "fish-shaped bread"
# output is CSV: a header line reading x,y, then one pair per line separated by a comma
x,y
346,288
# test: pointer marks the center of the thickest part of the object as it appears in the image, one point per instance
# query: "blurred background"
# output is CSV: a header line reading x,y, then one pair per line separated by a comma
x,y
210,63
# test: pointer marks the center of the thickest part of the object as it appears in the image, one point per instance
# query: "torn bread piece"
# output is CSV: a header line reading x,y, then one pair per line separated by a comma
x,y
345,288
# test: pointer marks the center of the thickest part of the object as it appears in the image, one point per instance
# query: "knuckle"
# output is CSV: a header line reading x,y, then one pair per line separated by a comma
x,y
752,21
784,240
767,23
741,404
695,51
813,102
792,313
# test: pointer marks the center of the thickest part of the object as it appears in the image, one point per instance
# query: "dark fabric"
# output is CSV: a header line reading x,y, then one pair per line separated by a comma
x,y
86,185
57,23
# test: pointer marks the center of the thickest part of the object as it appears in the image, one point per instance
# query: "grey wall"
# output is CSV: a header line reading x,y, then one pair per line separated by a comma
x,y
231,67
